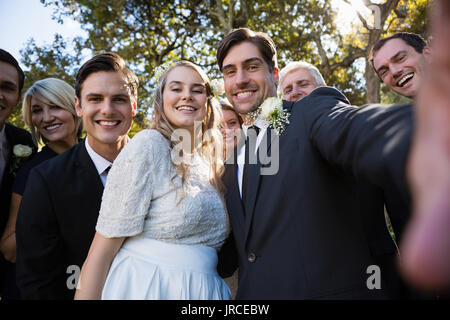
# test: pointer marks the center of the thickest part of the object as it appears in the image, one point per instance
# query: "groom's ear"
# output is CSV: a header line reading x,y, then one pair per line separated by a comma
x,y
276,77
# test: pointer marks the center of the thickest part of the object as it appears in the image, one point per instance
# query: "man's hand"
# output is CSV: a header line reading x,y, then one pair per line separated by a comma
x,y
426,246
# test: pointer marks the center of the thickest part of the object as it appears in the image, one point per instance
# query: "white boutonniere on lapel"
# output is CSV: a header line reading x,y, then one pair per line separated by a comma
x,y
20,154
272,111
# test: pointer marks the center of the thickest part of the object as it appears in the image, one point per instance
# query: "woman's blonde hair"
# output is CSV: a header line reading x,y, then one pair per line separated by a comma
x,y
59,93
211,139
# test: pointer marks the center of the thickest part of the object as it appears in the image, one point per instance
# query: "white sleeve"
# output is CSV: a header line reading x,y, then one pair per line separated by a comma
x,y
128,191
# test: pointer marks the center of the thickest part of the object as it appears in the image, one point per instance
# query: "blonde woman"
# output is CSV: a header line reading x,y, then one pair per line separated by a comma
x,y
162,218
49,111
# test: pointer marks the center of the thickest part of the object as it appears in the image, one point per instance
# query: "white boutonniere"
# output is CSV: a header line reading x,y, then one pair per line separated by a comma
x,y
272,111
20,153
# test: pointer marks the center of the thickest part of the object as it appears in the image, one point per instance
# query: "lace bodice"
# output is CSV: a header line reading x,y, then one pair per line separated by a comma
x,y
140,199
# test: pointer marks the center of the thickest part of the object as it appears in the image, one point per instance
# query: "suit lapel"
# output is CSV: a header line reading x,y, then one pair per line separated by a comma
x,y
254,173
86,168
234,204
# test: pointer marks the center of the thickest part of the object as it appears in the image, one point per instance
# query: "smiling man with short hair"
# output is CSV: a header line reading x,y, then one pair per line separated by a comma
x,y
59,210
399,61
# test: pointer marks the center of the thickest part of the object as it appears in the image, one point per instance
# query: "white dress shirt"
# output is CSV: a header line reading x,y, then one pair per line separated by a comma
x,y
101,164
262,125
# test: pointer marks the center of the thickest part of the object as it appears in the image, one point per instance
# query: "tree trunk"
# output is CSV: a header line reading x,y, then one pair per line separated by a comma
x,y
372,84
381,13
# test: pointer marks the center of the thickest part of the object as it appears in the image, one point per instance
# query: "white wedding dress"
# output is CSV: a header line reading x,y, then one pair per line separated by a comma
x,y
171,249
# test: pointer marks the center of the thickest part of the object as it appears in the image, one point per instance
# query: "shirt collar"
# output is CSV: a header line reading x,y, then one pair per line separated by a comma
x,y
100,163
259,122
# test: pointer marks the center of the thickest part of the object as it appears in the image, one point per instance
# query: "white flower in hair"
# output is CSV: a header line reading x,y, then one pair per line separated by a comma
x,y
217,87
162,69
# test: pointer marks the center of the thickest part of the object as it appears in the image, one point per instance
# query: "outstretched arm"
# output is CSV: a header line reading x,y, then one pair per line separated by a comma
x,y
426,247
369,142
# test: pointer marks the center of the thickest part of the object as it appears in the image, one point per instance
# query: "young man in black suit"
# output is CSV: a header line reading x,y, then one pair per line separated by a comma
x,y
11,84
298,230
59,210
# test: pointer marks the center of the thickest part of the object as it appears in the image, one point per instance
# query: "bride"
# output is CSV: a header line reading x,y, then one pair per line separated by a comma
x,y
163,220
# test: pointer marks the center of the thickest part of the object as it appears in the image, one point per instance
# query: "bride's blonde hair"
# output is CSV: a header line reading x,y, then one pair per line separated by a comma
x,y
211,139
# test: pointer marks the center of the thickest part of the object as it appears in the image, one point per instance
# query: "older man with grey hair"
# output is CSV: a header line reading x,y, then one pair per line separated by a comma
x,y
298,79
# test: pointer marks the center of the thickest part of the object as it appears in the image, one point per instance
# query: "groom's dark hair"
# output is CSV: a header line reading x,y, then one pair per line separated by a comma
x,y
264,43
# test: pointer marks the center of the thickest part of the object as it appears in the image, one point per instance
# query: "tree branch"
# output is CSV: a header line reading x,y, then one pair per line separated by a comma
x,y
242,20
361,18
347,62
231,15
220,14
322,53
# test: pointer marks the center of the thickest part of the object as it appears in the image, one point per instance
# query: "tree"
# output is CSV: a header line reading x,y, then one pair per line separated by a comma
x,y
388,18
44,62
144,32
147,33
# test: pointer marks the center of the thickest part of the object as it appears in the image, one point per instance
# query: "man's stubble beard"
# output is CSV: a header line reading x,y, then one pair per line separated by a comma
x,y
256,105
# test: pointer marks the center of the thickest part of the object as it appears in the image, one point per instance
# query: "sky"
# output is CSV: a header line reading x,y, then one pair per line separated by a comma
x,y
21,20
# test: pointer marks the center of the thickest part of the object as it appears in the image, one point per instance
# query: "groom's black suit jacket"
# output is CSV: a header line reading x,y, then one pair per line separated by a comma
x,y
56,223
301,235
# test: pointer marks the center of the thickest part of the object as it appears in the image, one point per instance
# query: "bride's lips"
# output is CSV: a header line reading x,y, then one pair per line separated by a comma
x,y
186,109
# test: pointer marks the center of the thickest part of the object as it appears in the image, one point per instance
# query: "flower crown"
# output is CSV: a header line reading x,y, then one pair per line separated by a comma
x,y
217,86
162,69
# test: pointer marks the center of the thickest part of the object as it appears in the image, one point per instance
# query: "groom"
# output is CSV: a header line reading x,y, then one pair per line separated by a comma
x,y
298,232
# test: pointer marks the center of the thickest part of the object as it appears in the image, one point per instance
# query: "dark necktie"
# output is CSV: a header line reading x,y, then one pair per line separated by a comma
x,y
250,148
